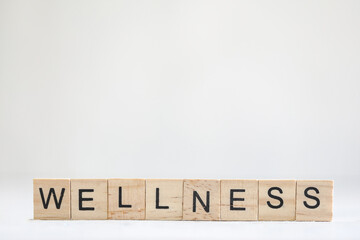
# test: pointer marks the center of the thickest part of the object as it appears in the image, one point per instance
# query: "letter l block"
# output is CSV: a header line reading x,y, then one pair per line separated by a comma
x,y
164,199
126,199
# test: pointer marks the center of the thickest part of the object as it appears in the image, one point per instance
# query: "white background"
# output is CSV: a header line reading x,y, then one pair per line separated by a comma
x,y
179,89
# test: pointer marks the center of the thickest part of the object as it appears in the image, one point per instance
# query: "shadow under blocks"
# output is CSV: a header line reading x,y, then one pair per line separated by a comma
x,y
183,199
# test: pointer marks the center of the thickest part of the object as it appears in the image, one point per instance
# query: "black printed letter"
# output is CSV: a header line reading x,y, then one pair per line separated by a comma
x,y
207,206
232,199
81,199
312,197
158,200
275,197
52,192
120,200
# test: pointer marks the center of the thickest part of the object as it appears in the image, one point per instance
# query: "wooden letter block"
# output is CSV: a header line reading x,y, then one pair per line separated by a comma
x,y
277,200
314,200
88,198
239,200
201,200
164,199
51,199
126,199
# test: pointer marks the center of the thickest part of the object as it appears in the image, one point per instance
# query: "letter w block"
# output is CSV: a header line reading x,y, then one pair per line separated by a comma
x,y
51,199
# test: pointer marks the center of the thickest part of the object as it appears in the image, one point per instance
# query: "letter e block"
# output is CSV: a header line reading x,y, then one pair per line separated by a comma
x,y
314,200
201,200
277,200
239,200
164,199
126,199
89,199
51,199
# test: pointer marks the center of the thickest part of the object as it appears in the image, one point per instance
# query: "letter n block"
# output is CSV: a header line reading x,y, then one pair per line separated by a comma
x,y
89,199
201,200
164,199
51,199
277,200
239,200
126,199
314,200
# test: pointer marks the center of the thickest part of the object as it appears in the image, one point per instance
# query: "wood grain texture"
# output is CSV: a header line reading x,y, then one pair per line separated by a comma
x,y
308,209
132,199
284,213
45,208
202,188
245,200
97,199
170,195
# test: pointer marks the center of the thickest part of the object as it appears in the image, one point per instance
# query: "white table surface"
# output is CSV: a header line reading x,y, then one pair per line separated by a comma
x,y
16,221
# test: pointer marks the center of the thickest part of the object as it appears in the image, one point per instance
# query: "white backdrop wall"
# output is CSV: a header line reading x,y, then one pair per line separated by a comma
x,y
179,89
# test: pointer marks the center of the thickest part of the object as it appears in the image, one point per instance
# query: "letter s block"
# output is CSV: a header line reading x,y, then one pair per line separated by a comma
x,y
314,200
277,200
51,199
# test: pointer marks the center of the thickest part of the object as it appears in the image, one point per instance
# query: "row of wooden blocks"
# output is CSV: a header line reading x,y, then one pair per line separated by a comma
x,y
188,199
